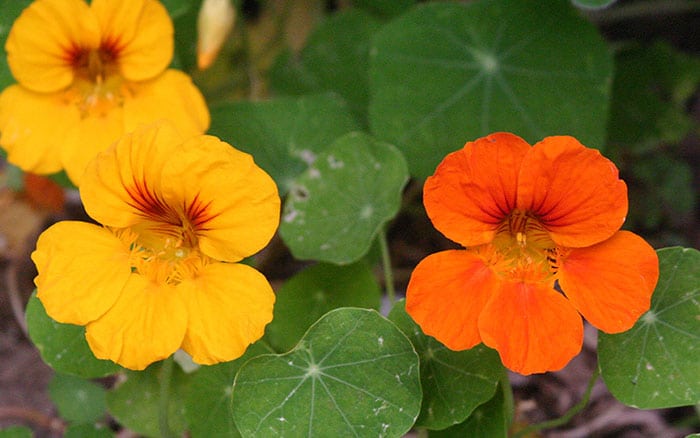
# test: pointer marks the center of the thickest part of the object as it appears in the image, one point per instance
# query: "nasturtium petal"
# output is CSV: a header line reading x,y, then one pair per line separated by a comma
x,y
353,374
574,191
39,44
285,135
135,401
473,189
147,323
141,32
447,71
447,306
208,396
239,201
70,252
611,283
335,59
228,306
11,9
116,171
86,138
655,363
172,96
339,204
533,327
35,150
63,346
454,382
313,292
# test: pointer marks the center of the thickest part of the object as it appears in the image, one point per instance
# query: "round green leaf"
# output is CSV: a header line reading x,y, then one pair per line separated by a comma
x,y
339,204
88,431
446,73
593,4
16,432
353,374
489,420
335,58
284,135
63,346
135,402
313,292
454,382
383,8
655,363
208,400
77,400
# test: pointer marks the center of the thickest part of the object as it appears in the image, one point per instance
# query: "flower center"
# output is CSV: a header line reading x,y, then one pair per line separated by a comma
x,y
98,87
163,259
523,248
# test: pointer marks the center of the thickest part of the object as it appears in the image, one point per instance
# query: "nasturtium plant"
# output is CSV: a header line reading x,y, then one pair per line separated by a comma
x,y
336,58
444,73
454,382
16,432
79,401
313,292
10,11
137,398
208,396
654,364
353,373
285,135
63,346
489,420
337,207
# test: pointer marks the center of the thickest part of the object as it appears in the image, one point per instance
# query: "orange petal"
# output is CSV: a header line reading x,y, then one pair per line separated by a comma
x,y
146,324
533,327
229,306
108,189
611,283
574,191
140,32
82,271
446,293
475,188
232,203
44,40
85,139
171,96
32,127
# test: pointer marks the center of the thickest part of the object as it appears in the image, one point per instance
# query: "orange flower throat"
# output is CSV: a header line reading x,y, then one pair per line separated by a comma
x,y
522,249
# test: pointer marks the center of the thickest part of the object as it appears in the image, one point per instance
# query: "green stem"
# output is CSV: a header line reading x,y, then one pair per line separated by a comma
x,y
508,402
166,372
386,265
578,407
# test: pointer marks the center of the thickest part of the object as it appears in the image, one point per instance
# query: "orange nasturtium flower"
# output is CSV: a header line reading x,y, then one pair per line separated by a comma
x,y
86,75
540,226
160,274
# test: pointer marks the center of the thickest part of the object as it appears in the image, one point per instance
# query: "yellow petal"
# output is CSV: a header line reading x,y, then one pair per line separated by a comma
x,y
146,324
32,126
45,39
82,271
232,203
109,189
87,138
171,96
229,306
140,32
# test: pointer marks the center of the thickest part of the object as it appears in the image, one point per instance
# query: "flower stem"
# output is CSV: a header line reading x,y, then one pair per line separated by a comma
x,y
386,266
166,372
578,407
508,402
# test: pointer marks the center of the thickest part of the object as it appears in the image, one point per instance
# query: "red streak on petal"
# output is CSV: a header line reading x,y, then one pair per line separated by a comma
x,y
198,213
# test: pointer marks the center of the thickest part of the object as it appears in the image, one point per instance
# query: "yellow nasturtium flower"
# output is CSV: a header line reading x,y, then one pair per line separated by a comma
x,y
86,75
161,273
